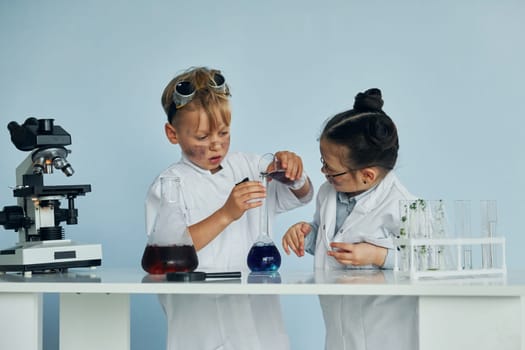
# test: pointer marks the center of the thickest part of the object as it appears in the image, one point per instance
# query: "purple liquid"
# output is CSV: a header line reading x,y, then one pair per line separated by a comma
x,y
158,260
279,175
264,257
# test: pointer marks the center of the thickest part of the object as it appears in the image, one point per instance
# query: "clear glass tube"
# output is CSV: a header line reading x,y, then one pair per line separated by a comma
x,y
265,217
488,229
264,255
462,221
436,220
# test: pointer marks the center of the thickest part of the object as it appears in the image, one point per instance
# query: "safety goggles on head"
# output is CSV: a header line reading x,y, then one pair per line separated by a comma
x,y
185,90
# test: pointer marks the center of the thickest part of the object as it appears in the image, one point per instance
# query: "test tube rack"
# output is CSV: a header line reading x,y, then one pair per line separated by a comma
x,y
416,257
425,249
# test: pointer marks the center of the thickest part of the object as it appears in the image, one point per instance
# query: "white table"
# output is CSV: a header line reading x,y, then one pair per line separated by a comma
x,y
477,313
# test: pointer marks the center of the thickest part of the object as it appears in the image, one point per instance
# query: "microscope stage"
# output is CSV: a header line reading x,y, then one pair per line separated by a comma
x,y
50,255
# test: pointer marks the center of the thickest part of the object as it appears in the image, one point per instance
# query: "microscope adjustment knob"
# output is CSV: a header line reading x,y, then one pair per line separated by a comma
x,y
13,218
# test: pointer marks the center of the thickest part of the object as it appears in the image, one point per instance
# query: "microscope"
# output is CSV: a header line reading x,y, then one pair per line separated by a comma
x,y
42,246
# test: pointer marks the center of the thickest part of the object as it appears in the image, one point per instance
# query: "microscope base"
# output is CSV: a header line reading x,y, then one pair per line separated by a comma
x,y
46,256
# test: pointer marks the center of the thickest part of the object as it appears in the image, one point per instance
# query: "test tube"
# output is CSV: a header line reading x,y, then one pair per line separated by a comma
x,y
463,230
488,229
435,218
403,252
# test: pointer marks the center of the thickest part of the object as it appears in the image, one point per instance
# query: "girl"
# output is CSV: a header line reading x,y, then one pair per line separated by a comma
x,y
357,212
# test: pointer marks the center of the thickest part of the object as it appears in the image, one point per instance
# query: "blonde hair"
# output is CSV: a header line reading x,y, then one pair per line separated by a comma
x,y
216,104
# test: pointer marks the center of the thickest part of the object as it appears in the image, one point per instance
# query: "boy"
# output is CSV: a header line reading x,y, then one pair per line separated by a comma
x,y
223,224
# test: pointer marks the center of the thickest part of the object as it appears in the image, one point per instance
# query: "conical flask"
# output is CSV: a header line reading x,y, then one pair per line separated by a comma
x,y
264,255
170,247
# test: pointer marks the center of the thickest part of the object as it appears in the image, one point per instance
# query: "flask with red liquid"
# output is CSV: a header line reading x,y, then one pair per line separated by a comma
x,y
170,247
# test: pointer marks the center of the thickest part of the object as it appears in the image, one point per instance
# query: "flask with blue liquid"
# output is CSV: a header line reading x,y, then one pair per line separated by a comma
x,y
264,255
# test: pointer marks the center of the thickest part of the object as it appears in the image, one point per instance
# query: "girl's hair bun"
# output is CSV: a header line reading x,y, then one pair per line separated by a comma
x,y
369,101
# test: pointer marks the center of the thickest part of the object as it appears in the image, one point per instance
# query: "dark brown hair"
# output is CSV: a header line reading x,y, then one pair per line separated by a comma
x,y
367,132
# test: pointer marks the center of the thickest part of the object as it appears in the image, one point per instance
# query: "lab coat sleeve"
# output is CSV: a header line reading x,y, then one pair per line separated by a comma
x,y
311,238
392,225
286,199
389,260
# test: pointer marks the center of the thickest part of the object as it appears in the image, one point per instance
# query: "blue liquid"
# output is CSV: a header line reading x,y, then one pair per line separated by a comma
x,y
264,257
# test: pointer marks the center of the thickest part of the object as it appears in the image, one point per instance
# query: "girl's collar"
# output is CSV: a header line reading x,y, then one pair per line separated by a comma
x,y
358,195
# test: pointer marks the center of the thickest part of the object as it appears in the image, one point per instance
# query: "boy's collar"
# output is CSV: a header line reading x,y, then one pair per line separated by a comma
x,y
189,163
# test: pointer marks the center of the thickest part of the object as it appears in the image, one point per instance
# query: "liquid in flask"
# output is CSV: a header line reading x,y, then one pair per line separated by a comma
x,y
264,257
170,247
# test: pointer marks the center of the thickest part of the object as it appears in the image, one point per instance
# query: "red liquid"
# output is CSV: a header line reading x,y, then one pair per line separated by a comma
x,y
158,260
279,175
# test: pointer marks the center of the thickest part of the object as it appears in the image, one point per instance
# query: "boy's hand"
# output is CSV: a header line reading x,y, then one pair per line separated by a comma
x,y
358,254
291,162
294,238
244,196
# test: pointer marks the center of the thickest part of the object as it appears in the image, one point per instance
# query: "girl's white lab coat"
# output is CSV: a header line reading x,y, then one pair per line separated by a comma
x,y
365,322
209,322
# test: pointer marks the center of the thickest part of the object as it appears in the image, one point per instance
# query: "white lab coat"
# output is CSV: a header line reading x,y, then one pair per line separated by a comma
x,y
365,322
209,322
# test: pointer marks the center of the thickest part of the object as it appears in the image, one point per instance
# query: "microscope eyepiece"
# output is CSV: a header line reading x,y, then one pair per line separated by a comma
x,y
45,126
37,133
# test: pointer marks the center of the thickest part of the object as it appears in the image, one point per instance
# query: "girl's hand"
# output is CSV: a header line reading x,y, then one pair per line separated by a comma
x,y
294,238
244,196
290,162
358,254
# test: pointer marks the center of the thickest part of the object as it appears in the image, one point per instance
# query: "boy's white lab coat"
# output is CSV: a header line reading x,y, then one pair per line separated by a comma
x,y
209,322
365,322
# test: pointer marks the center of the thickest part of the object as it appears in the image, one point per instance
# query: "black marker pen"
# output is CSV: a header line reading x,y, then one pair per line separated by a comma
x,y
243,180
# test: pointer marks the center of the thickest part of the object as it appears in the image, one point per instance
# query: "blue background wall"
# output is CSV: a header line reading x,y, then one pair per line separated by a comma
x,y
451,73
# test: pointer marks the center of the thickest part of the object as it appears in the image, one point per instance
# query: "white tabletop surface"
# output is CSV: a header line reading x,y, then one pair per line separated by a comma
x,y
349,282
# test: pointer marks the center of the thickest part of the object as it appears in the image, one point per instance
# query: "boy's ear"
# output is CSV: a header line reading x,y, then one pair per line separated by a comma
x,y
171,133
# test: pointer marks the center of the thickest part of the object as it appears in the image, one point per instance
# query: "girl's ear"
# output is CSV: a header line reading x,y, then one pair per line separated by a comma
x,y
369,175
171,133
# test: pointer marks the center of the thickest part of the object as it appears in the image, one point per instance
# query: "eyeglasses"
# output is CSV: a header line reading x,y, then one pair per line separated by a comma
x,y
185,90
331,176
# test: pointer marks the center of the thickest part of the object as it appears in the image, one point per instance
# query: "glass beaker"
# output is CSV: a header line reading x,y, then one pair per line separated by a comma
x,y
264,255
170,247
